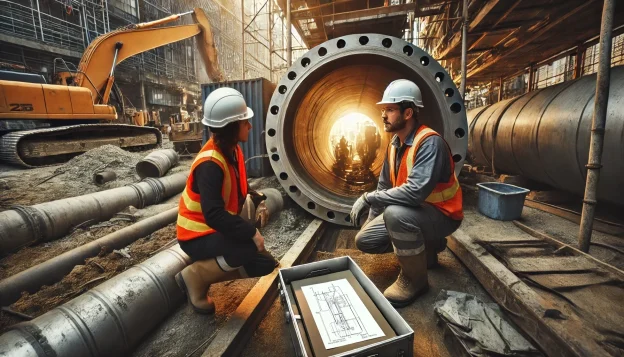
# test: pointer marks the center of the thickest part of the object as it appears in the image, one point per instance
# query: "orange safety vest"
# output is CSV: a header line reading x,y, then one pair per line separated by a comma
x,y
191,222
447,196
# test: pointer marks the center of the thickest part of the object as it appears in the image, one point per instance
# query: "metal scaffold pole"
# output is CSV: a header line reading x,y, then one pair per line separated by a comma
x,y
598,125
288,35
462,86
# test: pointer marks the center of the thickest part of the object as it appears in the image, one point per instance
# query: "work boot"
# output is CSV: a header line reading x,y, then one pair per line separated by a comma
x,y
195,281
412,281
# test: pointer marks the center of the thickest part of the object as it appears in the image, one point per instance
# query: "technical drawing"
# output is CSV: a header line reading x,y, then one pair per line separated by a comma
x,y
339,314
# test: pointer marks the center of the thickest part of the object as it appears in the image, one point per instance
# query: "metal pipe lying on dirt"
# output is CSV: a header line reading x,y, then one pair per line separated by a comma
x,y
24,225
103,177
112,318
157,163
108,320
53,270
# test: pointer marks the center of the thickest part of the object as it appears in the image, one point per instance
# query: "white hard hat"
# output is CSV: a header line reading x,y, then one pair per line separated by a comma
x,y
225,106
402,90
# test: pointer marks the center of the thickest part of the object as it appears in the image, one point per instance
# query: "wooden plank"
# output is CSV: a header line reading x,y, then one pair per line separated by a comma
x,y
485,10
525,41
234,335
43,148
550,264
525,307
599,225
608,267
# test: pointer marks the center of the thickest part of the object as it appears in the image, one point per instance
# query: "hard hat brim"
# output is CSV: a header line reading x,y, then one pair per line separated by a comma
x,y
247,116
389,102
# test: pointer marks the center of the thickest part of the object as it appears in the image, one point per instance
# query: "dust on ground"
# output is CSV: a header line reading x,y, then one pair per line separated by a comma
x,y
284,228
272,339
95,271
73,178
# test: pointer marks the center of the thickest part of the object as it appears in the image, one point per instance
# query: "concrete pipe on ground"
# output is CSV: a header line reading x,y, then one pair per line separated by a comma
x,y
337,84
157,163
24,225
108,320
103,177
544,135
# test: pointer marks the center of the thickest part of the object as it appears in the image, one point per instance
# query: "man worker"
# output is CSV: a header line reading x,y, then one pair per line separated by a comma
x,y
418,201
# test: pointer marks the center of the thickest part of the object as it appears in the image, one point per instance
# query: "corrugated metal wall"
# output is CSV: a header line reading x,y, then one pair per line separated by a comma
x,y
257,93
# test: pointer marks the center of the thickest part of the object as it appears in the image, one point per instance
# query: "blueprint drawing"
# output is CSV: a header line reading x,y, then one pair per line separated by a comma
x,y
339,314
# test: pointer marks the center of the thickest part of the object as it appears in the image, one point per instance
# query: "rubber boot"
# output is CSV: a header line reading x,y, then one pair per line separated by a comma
x,y
195,281
412,280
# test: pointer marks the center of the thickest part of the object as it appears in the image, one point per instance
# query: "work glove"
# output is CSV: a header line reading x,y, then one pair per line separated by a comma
x,y
360,207
262,215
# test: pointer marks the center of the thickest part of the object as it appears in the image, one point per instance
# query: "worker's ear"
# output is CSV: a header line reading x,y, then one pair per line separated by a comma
x,y
409,113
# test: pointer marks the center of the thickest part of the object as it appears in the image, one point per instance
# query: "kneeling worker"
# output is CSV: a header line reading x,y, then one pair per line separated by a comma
x,y
222,245
418,201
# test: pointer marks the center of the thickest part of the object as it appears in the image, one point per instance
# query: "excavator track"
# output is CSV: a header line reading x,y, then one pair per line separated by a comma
x,y
43,147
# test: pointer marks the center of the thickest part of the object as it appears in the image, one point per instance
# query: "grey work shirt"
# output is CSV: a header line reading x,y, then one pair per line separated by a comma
x,y
432,166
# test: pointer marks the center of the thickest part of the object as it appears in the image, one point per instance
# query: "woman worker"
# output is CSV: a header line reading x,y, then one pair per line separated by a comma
x,y
223,245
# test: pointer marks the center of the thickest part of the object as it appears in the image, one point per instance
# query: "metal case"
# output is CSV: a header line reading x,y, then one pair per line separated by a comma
x,y
398,346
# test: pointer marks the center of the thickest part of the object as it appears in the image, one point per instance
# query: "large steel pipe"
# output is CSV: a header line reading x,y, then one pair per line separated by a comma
x,y
339,77
24,225
53,270
108,320
544,135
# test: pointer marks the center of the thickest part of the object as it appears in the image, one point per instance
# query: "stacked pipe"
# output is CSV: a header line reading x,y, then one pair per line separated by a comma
x,y
112,318
544,135
24,225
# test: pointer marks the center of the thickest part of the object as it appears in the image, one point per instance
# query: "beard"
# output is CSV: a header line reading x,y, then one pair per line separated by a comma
x,y
396,126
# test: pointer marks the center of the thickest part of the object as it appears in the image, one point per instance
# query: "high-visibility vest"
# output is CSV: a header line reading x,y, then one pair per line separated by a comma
x,y
447,196
191,222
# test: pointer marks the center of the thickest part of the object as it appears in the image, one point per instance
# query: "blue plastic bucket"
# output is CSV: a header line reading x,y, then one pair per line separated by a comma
x,y
501,201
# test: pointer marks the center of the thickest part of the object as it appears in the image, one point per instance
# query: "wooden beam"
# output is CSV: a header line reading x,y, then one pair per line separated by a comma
x,y
485,10
537,35
232,337
504,16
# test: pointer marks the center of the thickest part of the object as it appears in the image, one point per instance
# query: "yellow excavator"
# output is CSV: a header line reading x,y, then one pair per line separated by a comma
x,y
42,124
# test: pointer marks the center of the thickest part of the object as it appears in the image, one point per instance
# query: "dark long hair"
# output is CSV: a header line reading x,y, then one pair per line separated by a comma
x,y
226,138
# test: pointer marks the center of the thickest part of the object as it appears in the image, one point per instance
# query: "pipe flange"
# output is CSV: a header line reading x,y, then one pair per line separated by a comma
x,y
439,92
35,220
157,187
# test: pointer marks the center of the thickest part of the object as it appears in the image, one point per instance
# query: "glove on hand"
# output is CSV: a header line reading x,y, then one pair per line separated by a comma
x,y
360,207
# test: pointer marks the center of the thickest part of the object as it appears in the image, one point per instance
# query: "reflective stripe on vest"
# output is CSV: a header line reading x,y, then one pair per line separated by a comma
x,y
191,222
447,197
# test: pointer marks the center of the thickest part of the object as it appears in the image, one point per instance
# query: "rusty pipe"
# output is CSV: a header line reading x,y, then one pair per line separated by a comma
x,y
24,225
108,320
53,270
545,135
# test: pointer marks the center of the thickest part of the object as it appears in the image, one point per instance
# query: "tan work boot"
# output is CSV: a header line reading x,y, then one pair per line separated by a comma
x,y
195,281
411,283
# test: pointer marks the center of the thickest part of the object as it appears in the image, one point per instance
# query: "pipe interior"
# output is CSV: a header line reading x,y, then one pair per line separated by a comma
x,y
352,84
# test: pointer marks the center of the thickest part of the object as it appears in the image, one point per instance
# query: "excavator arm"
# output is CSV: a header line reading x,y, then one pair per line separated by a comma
x,y
96,68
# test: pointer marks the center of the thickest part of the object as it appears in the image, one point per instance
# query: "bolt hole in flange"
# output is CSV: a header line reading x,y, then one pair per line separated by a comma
x,y
328,130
